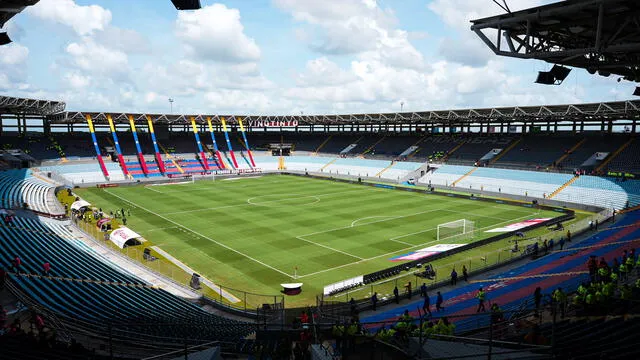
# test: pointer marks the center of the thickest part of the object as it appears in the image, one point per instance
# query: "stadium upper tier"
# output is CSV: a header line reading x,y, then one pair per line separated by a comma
x,y
561,152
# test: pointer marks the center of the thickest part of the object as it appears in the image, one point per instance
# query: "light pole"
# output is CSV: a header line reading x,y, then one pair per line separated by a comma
x,y
171,105
401,105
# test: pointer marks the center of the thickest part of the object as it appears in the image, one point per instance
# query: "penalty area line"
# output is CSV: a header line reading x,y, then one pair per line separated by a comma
x,y
398,251
202,236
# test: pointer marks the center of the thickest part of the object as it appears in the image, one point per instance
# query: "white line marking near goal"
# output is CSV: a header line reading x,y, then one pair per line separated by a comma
x,y
397,251
328,247
202,236
152,189
354,222
373,222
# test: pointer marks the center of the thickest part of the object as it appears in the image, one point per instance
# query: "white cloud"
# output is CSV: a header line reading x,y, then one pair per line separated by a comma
x,y
13,54
13,67
97,59
84,20
216,33
125,40
361,28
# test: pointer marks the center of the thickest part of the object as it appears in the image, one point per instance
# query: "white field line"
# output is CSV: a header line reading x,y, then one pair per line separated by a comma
x,y
199,234
152,189
397,251
257,204
227,295
354,222
369,223
328,247
454,211
162,228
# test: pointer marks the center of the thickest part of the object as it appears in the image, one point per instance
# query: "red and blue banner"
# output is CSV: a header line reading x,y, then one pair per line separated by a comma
x,y
96,147
246,143
155,145
143,162
226,137
117,145
203,158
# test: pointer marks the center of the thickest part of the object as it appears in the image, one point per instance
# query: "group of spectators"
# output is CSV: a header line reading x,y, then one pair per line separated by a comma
x,y
609,283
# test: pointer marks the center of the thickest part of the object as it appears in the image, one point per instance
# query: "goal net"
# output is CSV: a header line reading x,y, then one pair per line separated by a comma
x,y
198,177
458,229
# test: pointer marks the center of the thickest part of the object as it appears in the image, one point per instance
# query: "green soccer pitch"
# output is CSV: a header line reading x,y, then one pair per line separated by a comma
x,y
252,233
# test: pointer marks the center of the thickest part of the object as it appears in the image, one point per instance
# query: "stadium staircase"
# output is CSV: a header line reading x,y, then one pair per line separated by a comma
x,y
464,176
171,163
612,156
567,153
450,152
329,163
321,145
564,186
385,169
372,146
505,151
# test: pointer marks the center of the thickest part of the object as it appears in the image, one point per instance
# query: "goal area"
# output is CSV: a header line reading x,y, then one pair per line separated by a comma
x,y
458,229
198,177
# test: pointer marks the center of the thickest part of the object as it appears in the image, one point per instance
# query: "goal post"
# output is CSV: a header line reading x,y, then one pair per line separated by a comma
x,y
198,177
462,228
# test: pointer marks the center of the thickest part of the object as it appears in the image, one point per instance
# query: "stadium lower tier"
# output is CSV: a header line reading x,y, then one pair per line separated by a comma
x,y
564,269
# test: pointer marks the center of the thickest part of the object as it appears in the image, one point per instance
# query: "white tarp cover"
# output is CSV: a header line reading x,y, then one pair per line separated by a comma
x,y
79,205
121,235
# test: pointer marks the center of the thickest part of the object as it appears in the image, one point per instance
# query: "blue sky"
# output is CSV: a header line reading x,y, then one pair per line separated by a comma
x,y
274,57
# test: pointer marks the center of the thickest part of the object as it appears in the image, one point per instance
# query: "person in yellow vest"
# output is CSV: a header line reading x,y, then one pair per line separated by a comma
x,y
338,333
481,296
623,272
561,300
630,262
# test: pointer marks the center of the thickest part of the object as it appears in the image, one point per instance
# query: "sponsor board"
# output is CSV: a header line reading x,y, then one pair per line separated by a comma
x,y
518,225
426,252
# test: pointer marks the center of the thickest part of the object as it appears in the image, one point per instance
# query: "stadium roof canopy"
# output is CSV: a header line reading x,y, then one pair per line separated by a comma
x,y
597,35
554,113
20,106
9,8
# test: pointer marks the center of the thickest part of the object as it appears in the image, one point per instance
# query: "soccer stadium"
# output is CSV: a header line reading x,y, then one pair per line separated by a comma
x,y
357,230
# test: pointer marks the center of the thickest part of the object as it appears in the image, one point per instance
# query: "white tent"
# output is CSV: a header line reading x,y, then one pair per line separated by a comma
x,y
123,236
79,205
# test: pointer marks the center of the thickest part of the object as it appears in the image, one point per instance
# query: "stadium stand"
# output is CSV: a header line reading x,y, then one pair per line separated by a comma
x,y
81,288
565,269
18,189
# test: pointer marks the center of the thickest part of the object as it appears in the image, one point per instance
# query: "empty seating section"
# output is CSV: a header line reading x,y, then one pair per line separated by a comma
x,y
337,143
436,146
445,175
593,145
516,182
392,146
538,150
628,159
601,191
86,173
306,163
474,148
100,300
17,188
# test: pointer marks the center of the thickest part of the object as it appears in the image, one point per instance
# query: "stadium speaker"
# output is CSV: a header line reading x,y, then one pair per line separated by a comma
x,y
4,38
560,72
545,78
636,92
186,4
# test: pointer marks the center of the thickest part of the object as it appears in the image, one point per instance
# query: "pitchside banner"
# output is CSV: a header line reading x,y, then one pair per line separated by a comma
x,y
519,225
426,252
